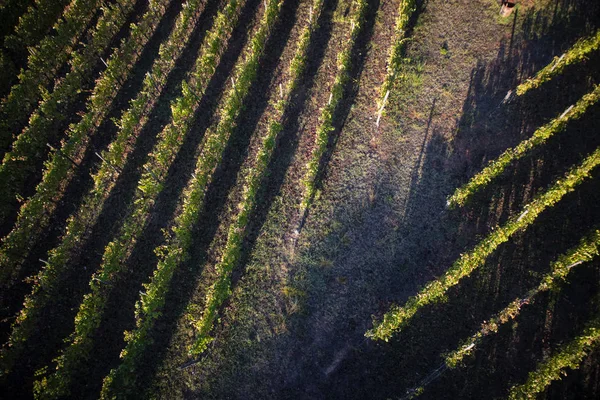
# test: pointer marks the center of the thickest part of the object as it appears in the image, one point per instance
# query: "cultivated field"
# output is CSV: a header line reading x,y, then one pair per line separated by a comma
x,y
299,199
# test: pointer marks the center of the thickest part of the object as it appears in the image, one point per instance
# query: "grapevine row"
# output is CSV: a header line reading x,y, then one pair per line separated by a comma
x,y
585,251
33,25
10,12
567,356
405,11
32,28
220,290
149,306
326,118
483,178
576,54
42,64
46,283
80,224
28,148
35,214
91,310
435,291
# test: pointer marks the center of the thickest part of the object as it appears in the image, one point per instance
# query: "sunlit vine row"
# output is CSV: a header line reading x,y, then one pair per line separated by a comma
x,y
568,356
405,12
585,251
576,54
35,214
29,147
91,310
149,307
344,63
42,64
220,290
483,178
435,291
45,286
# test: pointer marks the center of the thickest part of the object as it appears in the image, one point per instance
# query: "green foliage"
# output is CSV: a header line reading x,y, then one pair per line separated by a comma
x,y
31,28
568,356
149,306
35,214
28,148
462,195
585,251
43,62
221,290
395,61
91,309
10,12
435,291
33,25
342,77
576,54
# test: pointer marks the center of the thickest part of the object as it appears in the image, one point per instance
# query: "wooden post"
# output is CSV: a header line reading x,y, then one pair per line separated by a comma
x,y
565,112
234,89
60,153
151,174
557,62
380,112
116,169
152,81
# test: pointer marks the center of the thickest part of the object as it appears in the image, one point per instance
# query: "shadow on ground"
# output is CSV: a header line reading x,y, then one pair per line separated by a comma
x,y
334,358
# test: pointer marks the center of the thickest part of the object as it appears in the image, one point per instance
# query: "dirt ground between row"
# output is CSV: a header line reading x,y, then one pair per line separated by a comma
x,y
379,229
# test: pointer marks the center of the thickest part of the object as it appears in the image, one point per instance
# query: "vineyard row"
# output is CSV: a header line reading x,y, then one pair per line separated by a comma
x,y
29,147
435,291
91,310
585,251
43,63
149,307
44,290
568,356
576,54
220,289
35,214
483,178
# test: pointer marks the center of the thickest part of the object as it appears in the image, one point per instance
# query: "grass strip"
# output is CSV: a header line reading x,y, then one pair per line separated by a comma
x,y
29,147
435,291
576,54
220,290
121,380
568,356
494,168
